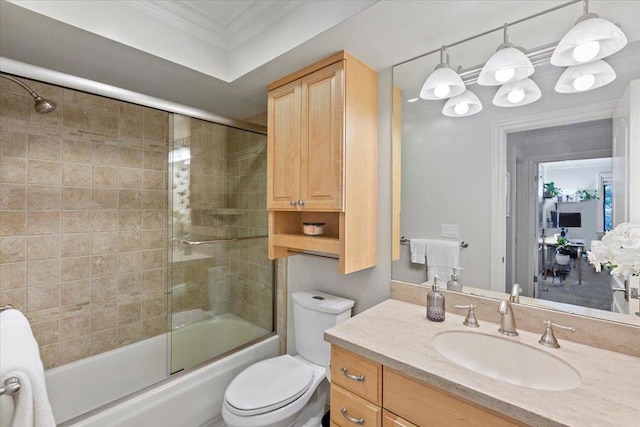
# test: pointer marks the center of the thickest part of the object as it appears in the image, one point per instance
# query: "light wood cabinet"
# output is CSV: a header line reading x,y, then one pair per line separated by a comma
x,y
322,161
405,401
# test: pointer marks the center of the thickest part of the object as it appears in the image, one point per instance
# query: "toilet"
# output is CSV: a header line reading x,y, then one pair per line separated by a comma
x,y
289,390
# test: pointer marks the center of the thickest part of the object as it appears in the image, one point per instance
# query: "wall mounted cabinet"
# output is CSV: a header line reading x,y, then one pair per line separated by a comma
x,y
322,161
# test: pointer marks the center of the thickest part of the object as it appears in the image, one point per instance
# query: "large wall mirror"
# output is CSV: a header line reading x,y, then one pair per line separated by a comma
x,y
486,174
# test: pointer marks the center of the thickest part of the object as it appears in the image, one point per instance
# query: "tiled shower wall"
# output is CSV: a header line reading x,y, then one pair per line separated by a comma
x,y
82,219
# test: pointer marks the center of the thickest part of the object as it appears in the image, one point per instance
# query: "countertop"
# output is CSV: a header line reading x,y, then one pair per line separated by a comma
x,y
398,335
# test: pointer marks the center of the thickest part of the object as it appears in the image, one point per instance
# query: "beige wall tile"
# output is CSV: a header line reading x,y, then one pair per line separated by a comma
x,y
153,218
43,197
12,249
130,157
129,261
133,110
130,241
76,116
104,265
43,272
13,170
129,283
13,197
76,198
74,245
131,127
104,220
103,341
152,279
76,174
76,151
154,180
104,243
130,199
154,199
154,326
43,147
130,333
104,199
13,276
75,326
129,219
129,313
105,122
12,223
153,239
75,268
16,297
155,160
43,222
43,297
14,106
103,318
104,176
129,178
42,172
152,258
75,292
104,288
13,144
43,247
74,349
76,221
105,154
46,332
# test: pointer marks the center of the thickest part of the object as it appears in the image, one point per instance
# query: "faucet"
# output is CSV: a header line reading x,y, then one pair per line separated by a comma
x,y
516,290
507,320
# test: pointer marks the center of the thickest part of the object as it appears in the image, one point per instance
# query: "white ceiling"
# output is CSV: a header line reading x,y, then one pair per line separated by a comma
x,y
220,55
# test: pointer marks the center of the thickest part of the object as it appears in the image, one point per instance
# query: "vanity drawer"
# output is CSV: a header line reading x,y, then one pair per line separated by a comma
x,y
426,406
356,408
356,374
389,419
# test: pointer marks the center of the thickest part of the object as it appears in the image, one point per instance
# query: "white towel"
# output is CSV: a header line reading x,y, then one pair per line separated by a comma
x,y
418,248
442,256
20,357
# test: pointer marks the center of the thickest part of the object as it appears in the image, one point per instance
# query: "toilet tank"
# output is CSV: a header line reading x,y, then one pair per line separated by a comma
x,y
313,313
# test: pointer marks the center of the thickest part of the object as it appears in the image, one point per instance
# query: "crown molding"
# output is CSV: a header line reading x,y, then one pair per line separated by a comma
x,y
257,18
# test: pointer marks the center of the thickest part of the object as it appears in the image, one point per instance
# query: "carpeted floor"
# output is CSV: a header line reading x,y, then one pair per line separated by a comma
x,y
594,292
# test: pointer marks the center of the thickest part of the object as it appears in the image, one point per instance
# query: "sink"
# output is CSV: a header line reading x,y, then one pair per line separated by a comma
x,y
507,360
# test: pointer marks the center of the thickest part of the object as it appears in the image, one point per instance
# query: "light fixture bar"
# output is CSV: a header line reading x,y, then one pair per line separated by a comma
x,y
500,28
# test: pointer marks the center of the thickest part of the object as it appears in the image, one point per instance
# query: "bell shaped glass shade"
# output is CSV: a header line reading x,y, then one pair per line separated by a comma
x,y
442,83
584,77
589,40
465,104
516,94
505,66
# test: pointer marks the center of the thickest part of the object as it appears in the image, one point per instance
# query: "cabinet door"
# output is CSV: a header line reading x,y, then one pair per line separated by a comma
x,y
283,147
322,129
389,419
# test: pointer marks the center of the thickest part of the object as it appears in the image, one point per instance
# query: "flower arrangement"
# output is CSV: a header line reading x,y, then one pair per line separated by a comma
x,y
618,250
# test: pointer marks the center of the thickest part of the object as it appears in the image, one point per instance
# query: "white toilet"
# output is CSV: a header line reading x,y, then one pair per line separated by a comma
x,y
289,390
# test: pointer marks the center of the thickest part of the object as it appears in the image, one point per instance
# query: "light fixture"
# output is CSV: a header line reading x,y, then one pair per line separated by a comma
x,y
443,82
413,99
590,39
508,64
465,104
584,77
518,93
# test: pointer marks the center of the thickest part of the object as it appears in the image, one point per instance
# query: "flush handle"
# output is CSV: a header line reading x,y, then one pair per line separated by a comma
x,y
351,376
360,420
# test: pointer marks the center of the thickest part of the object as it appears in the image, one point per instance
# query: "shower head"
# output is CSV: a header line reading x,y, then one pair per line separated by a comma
x,y
42,106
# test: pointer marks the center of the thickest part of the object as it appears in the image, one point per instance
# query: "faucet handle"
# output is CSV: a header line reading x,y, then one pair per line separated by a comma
x,y
470,320
548,339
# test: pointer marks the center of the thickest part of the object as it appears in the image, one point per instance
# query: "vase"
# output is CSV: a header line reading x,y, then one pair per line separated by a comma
x,y
562,259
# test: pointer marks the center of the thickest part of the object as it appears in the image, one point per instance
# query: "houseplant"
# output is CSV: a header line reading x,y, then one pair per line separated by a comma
x,y
550,190
563,251
587,195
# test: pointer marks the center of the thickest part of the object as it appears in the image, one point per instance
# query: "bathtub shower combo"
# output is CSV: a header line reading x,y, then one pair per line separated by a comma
x,y
220,289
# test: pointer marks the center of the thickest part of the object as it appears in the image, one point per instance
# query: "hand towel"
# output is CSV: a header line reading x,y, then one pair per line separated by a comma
x,y
442,256
418,248
20,357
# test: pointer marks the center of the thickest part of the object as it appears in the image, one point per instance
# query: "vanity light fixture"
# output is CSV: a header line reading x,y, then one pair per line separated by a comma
x,y
518,93
590,39
508,64
443,82
584,77
465,104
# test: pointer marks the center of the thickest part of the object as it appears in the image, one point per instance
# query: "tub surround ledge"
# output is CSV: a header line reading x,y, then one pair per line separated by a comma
x,y
398,335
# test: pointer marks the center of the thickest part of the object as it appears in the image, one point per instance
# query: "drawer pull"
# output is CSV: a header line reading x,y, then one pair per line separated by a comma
x,y
360,420
351,376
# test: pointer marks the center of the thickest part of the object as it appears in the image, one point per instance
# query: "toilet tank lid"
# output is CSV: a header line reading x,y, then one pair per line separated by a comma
x,y
319,301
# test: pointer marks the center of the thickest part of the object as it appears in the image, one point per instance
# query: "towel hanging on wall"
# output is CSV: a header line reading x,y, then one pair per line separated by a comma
x,y
442,256
418,249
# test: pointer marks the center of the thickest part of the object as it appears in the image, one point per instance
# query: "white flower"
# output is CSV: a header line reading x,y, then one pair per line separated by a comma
x,y
619,250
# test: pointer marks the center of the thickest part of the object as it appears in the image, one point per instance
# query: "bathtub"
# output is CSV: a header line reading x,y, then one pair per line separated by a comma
x,y
134,378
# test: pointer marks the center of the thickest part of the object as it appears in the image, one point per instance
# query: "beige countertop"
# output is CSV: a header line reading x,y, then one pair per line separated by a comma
x,y
398,335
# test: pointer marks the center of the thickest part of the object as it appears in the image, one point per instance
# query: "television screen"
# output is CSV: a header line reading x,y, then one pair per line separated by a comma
x,y
569,219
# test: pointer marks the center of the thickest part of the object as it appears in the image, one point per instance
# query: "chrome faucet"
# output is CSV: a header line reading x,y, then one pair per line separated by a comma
x,y
516,290
507,320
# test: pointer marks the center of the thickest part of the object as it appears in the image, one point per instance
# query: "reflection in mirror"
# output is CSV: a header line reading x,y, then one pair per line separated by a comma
x,y
484,175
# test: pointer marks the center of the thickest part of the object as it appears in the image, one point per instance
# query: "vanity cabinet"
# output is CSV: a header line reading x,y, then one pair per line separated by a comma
x,y
322,161
384,397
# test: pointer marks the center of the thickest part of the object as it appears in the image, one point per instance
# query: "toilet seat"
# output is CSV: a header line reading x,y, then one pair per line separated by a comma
x,y
268,385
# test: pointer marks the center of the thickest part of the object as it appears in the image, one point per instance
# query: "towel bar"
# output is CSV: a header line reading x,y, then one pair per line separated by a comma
x,y
11,386
405,241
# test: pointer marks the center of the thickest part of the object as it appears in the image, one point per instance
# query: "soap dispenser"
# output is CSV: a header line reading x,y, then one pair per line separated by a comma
x,y
454,283
435,303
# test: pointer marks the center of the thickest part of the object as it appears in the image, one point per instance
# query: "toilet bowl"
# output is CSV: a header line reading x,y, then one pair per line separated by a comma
x,y
289,391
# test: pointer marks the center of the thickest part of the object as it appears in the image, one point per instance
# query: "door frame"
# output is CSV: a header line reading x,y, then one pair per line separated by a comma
x,y
499,131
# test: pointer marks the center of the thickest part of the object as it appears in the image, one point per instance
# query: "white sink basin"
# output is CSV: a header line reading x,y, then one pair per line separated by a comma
x,y
507,360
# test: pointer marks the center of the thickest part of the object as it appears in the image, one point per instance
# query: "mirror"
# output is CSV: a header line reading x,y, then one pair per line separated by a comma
x,y
472,171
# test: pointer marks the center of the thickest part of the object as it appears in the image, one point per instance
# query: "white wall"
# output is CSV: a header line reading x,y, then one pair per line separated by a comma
x,y
367,287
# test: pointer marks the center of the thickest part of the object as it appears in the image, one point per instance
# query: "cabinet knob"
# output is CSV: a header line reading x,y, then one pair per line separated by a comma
x,y
292,203
300,202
